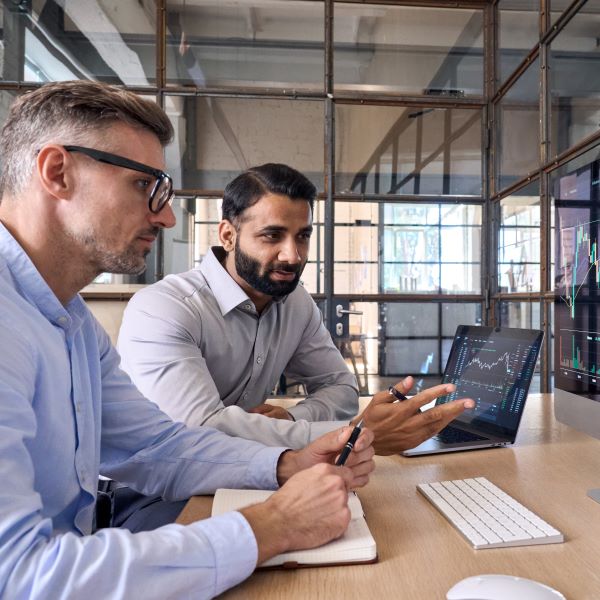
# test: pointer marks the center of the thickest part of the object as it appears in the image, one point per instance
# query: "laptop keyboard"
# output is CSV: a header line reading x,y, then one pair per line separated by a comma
x,y
452,435
486,516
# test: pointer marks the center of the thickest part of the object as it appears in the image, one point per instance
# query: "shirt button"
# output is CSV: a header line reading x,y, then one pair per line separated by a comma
x,y
62,320
248,307
245,395
259,360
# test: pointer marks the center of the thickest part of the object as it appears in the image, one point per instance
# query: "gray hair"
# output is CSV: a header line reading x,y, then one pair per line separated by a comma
x,y
67,113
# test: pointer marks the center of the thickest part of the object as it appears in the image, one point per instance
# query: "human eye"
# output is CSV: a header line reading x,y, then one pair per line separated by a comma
x,y
271,236
143,183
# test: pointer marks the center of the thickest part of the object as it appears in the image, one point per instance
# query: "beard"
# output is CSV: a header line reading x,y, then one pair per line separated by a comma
x,y
252,272
130,261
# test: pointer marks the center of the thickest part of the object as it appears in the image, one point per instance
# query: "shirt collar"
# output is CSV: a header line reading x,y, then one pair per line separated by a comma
x,y
32,286
226,291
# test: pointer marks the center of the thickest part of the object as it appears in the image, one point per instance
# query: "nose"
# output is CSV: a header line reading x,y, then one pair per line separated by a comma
x,y
165,218
289,252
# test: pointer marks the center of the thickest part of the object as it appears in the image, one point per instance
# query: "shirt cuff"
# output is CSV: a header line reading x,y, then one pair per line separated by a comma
x,y
234,547
262,469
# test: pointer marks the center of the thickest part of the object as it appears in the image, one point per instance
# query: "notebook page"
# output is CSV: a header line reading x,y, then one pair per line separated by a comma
x,y
227,500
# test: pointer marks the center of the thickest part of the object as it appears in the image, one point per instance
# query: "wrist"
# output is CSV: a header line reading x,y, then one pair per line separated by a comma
x,y
287,465
269,528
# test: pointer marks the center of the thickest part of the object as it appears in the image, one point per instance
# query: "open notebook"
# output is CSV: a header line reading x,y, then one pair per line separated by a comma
x,y
354,547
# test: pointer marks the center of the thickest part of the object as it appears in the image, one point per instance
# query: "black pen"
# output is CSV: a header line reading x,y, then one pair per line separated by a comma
x,y
398,395
349,445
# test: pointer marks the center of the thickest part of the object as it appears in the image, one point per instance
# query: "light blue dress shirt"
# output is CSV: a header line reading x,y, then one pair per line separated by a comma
x,y
68,413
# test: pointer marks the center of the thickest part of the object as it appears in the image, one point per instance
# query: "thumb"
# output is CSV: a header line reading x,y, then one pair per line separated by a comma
x,y
333,441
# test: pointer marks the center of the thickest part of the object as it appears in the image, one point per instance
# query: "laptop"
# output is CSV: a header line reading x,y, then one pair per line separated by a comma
x,y
494,367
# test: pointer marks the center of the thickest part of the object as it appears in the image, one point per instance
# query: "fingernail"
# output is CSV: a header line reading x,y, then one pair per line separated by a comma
x,y
450,387
469,404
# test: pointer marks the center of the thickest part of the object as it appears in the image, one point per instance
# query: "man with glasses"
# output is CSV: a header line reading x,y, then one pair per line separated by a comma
x,y
83,192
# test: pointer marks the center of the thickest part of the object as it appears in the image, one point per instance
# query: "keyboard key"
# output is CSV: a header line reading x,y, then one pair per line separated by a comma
x,y
486,516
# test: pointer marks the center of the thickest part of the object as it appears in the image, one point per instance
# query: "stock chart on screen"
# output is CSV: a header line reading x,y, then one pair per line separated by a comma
x,y
577,281
494,368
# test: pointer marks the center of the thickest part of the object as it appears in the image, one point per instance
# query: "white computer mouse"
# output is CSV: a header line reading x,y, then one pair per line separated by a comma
x,y
501,587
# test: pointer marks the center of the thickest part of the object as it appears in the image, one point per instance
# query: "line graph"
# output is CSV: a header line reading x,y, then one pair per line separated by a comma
x,y
477,362
578,258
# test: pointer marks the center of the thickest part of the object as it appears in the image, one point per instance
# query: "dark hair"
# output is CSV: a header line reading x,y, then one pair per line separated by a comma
x,y
249,187
67,112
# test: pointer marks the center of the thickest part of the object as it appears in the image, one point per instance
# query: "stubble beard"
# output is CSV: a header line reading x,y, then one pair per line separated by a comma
x,y
129,262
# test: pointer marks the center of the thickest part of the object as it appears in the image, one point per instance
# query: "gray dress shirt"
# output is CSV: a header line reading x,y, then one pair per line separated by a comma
x,y
195,344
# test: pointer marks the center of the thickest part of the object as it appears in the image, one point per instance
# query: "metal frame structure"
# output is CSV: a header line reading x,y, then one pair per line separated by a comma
x,y
491,297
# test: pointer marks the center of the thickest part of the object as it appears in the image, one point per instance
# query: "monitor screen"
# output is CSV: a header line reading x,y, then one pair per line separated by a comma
x,y
494,367
577,282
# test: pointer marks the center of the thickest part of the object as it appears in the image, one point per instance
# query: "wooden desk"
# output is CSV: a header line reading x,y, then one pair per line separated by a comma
x,y
422,556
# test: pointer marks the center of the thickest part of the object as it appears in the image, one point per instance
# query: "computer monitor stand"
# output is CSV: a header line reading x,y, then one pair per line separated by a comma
x,y
594,494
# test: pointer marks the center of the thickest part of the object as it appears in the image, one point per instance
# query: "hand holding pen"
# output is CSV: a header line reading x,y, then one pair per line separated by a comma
x,y
345,453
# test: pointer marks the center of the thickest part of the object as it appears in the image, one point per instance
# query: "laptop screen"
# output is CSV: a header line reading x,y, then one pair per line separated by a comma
x,y
494,367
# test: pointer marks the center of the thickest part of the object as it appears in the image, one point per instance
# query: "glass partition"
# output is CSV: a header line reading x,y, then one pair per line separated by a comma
x,y
518,33
519,241
50,40
246,43
574,81
217,138
519,128
406,49
400,150
407,248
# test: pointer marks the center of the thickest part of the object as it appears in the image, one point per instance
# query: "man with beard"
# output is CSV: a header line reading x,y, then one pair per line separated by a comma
x,y
209,345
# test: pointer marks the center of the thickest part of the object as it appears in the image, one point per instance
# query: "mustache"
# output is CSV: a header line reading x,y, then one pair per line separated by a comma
x,y
285,268
154,231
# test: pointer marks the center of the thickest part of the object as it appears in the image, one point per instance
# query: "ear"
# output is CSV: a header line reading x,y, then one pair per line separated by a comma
x,y
227,235
54,168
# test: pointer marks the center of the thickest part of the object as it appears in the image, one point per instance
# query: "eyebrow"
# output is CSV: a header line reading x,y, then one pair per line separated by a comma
x,y
281,228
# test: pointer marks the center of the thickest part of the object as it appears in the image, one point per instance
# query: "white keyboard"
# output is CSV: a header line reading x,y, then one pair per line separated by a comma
x,y
486,516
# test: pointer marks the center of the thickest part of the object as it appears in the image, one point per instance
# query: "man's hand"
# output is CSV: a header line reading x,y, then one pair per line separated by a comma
x,y
310,510
274,412
325,450
399,426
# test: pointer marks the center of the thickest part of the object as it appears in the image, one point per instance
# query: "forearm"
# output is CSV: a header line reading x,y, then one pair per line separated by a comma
x,y
337,402
201,560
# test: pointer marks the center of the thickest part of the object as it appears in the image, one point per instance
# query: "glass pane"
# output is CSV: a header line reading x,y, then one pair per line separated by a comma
x,y
247,43
557,8
417,356
407,319
419,248
398,150
206,220
518,33
217,138
178,241
313,277
404,49
109,41
519,133
519,241
575,86
454,315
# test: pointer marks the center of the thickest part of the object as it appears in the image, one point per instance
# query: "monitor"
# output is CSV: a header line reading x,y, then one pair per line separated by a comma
x,y
577,301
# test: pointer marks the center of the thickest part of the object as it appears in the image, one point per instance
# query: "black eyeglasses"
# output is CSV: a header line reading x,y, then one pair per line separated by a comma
x,y
162,192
